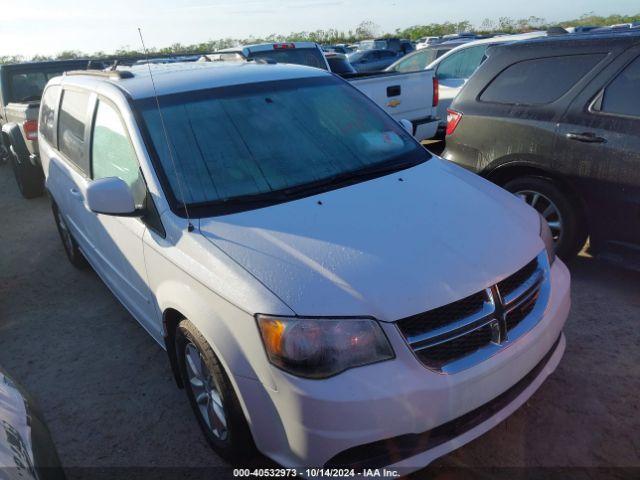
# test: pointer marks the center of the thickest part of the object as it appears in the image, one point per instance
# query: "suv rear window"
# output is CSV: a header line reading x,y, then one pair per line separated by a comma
x,y
621,96
539,81
71,128
28,86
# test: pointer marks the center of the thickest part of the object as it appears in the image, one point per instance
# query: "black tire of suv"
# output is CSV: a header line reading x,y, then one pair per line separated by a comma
x,y
238,448
75,256
29,177
574,233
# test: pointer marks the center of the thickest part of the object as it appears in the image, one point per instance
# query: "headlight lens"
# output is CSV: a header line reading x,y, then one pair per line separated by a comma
x,y
322,347
547,238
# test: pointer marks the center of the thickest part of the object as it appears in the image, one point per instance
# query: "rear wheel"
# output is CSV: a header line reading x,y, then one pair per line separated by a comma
x,y
558,208
29,177
212,396
71,248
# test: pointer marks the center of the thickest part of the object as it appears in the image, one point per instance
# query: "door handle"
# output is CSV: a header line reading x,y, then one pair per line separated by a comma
x,y
586,137
75,193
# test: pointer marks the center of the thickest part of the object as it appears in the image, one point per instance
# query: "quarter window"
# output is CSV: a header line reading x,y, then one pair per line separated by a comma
x,y
621,96
47,113
71,128
414,63
461,64
539,81
112,154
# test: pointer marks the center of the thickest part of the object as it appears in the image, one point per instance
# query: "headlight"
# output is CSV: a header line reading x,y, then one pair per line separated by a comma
x,y
322,347
547,238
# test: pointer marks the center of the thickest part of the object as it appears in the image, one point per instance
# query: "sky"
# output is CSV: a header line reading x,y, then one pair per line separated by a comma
x,y
51,26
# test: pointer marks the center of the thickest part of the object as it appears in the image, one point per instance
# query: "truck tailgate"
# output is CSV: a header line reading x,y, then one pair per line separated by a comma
x,y
403,96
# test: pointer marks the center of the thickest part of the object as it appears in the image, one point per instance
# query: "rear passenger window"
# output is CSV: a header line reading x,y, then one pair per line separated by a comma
x,y
71,128
112,154
621,96
539,81
48,113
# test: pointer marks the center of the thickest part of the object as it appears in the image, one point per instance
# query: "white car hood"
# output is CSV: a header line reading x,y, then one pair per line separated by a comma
x,y
389,248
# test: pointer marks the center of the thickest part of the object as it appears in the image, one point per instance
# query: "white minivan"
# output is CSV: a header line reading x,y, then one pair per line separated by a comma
x,y
326,289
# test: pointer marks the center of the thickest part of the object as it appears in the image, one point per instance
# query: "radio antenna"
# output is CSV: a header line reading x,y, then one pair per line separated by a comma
x,y
166,134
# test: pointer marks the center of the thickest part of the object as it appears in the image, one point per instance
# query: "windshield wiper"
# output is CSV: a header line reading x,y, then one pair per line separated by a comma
x,y
345,177
341,178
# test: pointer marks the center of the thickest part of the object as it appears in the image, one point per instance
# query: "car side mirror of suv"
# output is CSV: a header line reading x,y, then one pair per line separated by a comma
x,y
111,196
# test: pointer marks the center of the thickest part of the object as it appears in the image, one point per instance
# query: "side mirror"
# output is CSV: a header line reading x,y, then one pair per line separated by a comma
x,y
407,125
110,196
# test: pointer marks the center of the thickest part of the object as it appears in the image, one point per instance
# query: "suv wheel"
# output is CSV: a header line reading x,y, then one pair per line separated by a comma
x,y
29,178
212,397
559,210
70,245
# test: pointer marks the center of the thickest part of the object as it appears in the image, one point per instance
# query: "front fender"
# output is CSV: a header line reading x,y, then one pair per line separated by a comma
x,y
231,332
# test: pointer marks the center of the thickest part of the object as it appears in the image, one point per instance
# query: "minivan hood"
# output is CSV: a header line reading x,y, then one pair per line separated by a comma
x,y
388,248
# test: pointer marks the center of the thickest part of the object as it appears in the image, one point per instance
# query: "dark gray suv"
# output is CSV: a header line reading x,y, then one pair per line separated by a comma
x,y
556,120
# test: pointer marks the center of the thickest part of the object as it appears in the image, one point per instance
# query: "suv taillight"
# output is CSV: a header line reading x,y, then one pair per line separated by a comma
x,y
453,119
31,129
436,92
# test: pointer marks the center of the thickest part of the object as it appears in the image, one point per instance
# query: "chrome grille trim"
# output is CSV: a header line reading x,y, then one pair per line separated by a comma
x,y
481,317
532,282
507,318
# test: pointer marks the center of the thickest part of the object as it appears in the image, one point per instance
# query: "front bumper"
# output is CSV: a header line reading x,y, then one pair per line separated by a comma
x,y
388,414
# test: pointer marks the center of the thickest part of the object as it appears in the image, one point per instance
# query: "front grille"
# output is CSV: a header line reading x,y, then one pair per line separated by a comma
x,y
466,344
509,284
442,316
483,322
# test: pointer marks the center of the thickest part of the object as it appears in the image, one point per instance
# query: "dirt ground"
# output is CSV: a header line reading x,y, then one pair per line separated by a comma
x,y
106,389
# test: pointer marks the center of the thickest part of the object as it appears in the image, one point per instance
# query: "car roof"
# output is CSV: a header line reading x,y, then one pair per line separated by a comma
x,y
171,78
49,63
624,35
265,47
501,39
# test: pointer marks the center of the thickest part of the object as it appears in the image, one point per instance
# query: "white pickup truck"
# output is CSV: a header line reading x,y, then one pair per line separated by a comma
x,y
412,95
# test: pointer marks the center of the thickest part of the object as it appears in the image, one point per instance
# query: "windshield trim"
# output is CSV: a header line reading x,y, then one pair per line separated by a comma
x,y
220,208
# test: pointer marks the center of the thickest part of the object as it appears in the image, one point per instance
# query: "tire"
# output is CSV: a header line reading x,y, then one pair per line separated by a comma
x,y
29,177
230,438
70,245
567,224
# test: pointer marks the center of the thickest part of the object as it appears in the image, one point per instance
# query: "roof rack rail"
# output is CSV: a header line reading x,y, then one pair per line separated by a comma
x,y
113,74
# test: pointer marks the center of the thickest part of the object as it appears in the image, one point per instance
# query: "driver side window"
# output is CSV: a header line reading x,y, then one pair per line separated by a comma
x,y
112,153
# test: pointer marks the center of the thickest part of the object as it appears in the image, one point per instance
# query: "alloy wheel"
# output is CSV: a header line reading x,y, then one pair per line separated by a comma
x,y
546,208
206,392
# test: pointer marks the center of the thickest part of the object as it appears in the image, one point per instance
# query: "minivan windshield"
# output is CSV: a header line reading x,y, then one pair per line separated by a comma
x,y
241,147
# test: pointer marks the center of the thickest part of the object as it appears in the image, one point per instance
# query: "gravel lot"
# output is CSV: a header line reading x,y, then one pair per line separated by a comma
x,y
107,392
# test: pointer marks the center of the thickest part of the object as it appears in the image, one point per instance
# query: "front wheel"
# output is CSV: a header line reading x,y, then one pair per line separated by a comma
x,y
559,209
69,243
212,396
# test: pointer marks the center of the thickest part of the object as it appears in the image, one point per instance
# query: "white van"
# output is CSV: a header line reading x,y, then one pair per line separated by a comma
x,y
326,290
